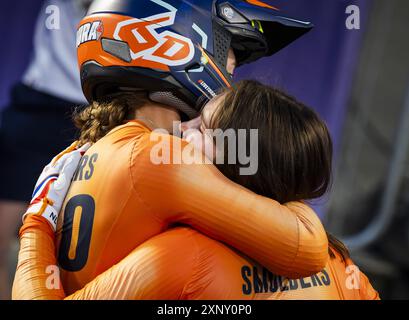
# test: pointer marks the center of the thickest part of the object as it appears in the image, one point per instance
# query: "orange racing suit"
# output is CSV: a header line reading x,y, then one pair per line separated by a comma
x,y
120,197
183,264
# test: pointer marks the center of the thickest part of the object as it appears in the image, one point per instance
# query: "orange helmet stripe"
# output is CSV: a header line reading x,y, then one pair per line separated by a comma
x,y
261,4
227,82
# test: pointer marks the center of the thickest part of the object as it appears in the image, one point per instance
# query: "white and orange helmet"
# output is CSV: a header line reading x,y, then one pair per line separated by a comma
x,y
176,49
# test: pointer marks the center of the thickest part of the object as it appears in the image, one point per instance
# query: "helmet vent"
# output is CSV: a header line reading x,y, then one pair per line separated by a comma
x,y
117,48
222,40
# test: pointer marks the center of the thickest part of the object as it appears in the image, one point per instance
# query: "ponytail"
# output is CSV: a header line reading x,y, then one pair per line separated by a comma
x,y
97,119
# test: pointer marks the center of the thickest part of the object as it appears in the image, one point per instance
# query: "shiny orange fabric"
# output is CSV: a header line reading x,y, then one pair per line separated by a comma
x,y
136,199
184,264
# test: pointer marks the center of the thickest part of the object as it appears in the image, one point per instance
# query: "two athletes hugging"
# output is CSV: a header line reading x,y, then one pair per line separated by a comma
x,y
238,237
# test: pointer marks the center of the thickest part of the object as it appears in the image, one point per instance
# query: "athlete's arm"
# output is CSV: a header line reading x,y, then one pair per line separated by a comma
x,y
37,274
37,271
288,239
159,269
170,266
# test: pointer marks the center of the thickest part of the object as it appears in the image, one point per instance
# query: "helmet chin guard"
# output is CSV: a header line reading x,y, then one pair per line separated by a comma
x,y
169,99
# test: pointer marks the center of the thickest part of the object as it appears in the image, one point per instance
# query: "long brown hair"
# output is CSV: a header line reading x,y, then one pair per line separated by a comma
x,y
295,147
100,117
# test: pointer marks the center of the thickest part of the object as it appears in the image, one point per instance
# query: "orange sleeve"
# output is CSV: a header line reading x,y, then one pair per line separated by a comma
x,y
367,292
179,264
288,239
37,276
159,269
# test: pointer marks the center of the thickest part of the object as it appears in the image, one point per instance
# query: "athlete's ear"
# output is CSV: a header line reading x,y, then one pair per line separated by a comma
x,y
231,62
192,124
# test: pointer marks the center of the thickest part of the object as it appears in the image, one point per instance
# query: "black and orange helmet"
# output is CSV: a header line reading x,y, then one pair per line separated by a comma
x,y
176,49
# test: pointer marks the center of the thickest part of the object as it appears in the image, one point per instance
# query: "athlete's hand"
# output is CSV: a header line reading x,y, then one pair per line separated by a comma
x,y
53,183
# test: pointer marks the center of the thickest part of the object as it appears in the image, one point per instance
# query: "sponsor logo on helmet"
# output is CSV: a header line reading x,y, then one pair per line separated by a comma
x,y
167,48
205,86
228,12
90,31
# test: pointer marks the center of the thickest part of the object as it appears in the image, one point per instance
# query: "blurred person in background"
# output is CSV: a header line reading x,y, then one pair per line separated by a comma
x,y
36,123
